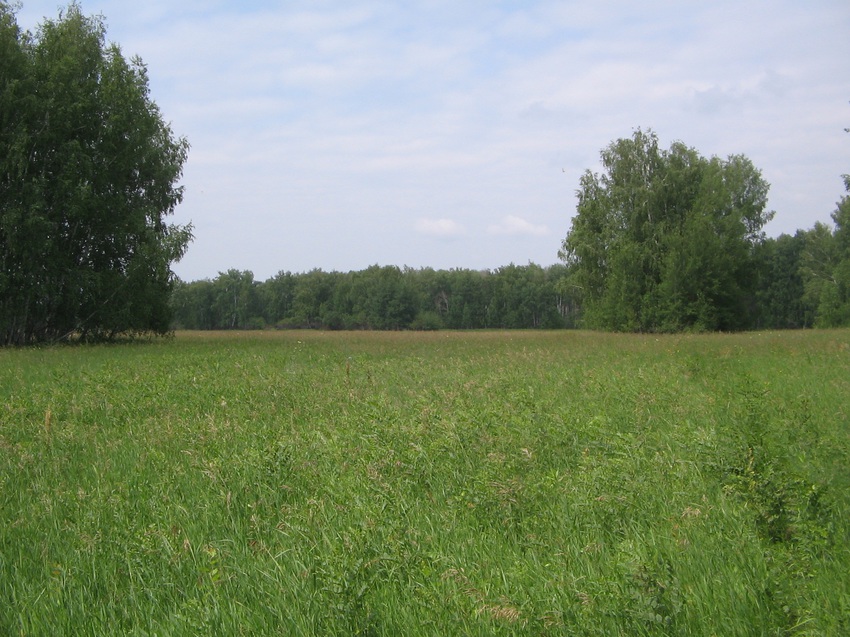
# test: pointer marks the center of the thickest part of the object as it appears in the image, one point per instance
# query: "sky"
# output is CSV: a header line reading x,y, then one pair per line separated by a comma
x,y
338,134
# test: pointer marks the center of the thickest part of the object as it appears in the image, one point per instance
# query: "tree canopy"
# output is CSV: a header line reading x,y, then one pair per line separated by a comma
x,y
665,240
88,173
825,266
380,298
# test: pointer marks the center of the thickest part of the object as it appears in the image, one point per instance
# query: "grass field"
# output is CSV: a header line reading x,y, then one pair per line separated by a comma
x,y
487,483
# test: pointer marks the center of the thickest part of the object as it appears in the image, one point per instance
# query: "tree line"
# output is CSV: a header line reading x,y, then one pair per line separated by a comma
x,y
794,281
379,298
663,240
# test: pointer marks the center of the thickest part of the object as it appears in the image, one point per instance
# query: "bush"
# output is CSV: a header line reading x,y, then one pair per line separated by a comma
x,y
427,321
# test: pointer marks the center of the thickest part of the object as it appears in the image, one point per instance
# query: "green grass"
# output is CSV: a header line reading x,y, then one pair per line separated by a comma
x,y
494,483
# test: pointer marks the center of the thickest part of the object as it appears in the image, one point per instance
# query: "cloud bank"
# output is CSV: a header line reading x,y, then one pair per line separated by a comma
x,y
340,134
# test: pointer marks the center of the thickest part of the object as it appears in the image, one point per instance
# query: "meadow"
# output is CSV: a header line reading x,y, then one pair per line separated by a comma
x,y
446,483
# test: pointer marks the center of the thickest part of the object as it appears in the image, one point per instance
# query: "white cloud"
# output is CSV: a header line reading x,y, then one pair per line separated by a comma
x,y
313,123
439,227
511,225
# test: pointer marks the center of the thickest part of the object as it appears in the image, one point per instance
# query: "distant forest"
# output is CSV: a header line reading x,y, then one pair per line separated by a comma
x,y
789,274
379,298
663,240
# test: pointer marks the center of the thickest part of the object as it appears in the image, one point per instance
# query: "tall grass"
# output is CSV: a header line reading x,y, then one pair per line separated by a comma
x,y
511,483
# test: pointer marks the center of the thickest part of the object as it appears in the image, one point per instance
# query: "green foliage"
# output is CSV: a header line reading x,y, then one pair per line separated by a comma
x,y
664,240
781,297
379,298
477,483
826,267
87,175
805,279
427,321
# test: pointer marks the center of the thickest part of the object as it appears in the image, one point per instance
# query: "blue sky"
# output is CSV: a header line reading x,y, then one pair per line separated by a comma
x,y
450,134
